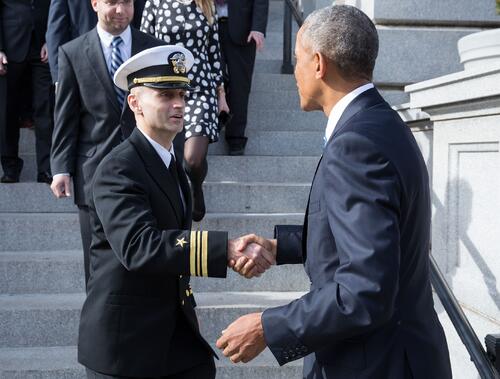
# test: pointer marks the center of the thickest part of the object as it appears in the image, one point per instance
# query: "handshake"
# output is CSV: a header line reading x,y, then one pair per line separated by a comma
x,y
251,255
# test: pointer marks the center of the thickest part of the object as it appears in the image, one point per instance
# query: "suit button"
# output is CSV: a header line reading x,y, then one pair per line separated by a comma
x,y
182,302
187,293
180,276
399,323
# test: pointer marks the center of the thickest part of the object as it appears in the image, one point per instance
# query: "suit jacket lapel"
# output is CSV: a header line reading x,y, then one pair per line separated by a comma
x,y
156,168
98,65
365,100
186,192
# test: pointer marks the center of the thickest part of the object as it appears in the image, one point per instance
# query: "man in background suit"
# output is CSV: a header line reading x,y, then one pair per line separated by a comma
x,y
138,319
69,19
242,26
366,235
88,109
23,58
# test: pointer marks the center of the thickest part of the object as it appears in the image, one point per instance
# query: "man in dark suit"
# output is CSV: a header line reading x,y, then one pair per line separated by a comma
x,y
23,54
138,319
89,120
69,19
242,26
366,235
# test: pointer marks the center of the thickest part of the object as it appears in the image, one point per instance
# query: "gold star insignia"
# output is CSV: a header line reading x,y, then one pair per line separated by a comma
x,y
181,242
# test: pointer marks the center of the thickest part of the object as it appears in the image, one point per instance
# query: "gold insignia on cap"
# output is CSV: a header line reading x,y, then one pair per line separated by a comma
x,y
178,61
181,242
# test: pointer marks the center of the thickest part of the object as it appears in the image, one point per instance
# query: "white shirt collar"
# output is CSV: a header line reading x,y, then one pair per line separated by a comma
x,y
341,106
162,152
106,38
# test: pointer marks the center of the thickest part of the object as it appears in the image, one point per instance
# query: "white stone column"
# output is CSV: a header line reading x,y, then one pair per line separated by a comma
x,y
464,109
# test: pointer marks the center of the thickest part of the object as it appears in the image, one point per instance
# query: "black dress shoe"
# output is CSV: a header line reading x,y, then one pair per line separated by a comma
x,y
9,178
44,177
236,150
198,205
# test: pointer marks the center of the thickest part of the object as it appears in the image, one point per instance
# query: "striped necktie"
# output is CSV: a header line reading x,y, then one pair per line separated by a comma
x,y
116,61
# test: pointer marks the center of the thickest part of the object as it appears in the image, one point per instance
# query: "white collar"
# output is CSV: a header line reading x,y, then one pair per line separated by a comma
x,y
341,106
106,38
162,151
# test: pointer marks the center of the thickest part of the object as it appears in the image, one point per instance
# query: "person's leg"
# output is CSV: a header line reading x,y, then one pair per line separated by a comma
x,y
91,374
9,135
86,233
240,63
196,166
203,371
42,117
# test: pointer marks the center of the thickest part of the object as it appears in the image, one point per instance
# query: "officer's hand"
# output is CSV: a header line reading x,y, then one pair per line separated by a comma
x,y
44,54
61,186
258,37
3,63
249,258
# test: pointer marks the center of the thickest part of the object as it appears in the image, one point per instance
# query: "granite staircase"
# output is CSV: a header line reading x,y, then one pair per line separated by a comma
x,y
41,264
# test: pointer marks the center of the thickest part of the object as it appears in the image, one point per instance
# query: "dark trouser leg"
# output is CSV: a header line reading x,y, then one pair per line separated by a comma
x,y
239,61
202,371
86,233
195,157
9,136
42,115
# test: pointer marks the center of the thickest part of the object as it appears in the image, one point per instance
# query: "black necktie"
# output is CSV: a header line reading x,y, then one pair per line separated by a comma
x,y
173,171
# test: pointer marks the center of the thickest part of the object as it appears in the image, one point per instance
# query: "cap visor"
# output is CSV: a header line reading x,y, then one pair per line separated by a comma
x,y
169,85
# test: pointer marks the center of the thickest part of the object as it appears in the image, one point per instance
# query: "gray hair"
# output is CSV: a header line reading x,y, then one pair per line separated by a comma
x,y
346,36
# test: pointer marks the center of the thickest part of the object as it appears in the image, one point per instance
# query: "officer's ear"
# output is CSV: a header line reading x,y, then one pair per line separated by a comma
x,y
133,101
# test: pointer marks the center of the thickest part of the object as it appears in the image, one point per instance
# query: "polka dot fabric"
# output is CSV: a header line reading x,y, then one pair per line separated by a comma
x,y
184,24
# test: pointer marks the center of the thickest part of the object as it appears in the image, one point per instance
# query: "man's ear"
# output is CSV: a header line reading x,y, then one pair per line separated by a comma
x,y
133,103
321,65
94,5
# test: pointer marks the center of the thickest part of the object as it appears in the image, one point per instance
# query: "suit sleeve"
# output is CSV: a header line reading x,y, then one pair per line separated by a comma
x,y
58,32
66,118
122,205
289,244
1,29
362,199
259,15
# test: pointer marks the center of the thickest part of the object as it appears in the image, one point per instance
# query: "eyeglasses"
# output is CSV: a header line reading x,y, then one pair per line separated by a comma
x,y
115,3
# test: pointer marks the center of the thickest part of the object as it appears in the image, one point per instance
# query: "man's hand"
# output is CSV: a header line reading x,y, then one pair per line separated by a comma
x,y
44,54
244,339
245,267
3,63
250,258
61,186
258,37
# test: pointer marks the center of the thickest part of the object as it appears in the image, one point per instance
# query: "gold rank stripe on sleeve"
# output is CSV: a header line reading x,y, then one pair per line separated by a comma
x,y
198,253
204,254
192,254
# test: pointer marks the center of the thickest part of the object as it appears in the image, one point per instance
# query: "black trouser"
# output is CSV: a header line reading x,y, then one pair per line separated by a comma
x,y
86,233
239,60
202,371
37,74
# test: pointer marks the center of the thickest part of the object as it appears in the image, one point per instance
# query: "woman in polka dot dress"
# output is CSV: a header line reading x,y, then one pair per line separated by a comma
x,y
193,24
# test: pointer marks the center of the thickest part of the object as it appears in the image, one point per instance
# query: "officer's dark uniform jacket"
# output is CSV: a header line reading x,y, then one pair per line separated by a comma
x,y
138,318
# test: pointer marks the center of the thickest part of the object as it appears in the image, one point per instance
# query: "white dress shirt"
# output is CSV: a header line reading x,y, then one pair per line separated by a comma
x,y
341,106
166,158
106,39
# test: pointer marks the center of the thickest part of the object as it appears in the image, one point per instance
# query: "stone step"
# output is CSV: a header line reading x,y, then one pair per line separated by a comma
x,y
43,272
282,143
272,82
60,362
61,231
52,319
255,197
225,197
261,169
279,99
58,272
